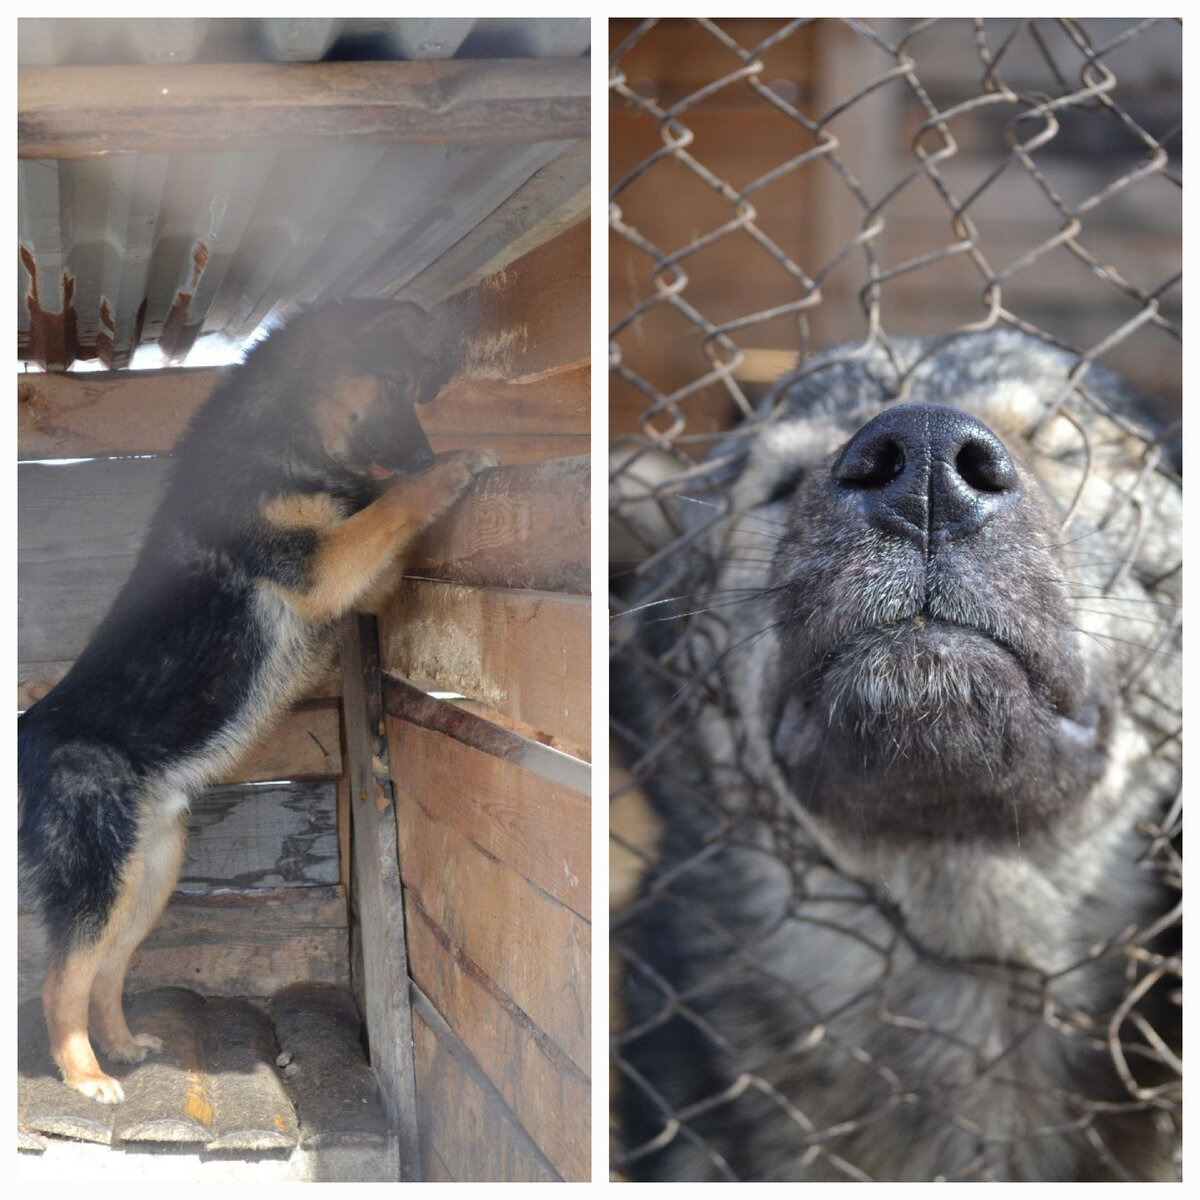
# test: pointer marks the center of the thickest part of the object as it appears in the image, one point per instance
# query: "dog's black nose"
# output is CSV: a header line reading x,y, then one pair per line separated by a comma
x,y
928,472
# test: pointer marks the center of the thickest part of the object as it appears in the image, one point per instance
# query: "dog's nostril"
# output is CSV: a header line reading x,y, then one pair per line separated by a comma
x,y
985,467
873,466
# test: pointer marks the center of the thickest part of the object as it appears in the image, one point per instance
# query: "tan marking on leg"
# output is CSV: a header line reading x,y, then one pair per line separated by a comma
x,y
159,862
65,1004
375,598
354,554
92,977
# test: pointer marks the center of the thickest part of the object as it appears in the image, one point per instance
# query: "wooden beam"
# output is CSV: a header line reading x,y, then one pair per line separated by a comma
x,y
519,527
534,317
510,741
526,654
87,112
224,944
556,401
381,983
111,413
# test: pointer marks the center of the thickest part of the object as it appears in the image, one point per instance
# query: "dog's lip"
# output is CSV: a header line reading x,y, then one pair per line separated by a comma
x,y
1081,721
926,625
951,634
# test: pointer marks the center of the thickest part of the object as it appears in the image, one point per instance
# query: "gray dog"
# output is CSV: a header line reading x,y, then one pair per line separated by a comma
x,y
908,910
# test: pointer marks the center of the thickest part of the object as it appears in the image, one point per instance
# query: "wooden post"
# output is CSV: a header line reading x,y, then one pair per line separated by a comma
x,y
91,111
381,970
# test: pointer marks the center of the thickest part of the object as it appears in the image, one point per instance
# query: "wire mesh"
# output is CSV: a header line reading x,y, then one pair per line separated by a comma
x,y
779,188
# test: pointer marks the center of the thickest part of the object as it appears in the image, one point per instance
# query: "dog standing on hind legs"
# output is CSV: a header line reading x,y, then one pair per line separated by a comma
x,y
296,490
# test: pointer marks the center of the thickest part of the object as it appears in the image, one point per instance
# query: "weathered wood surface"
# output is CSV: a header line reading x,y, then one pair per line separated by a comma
x,y
94,414
539,829
502,393
216,1089
226,943
466,1128
524,527
263,837
519,812
518,450
247,944
108,414
534,316
382,988
547,1093
79,531
304,743
85,111
534,949
483,729
526,654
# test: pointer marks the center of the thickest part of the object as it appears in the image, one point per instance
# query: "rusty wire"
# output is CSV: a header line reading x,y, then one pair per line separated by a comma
x,y
1023,90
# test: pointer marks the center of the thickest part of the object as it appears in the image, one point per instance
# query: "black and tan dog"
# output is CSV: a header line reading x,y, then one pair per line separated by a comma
x,y
297,488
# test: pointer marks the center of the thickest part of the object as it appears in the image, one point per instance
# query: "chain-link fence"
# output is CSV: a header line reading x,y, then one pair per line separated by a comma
x,y
779,188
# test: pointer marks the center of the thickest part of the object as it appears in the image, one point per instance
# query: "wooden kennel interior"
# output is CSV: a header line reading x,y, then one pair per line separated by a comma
x,y
415,830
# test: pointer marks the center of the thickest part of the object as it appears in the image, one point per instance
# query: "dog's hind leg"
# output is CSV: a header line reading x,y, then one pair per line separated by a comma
x,y
154,870
65,1003
65,996
90,975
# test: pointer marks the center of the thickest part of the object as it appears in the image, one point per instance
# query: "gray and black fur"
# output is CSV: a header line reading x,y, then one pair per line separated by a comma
x,y
297,485
903,882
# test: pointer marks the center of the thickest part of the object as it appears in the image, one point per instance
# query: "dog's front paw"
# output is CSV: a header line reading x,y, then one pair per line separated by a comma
x,y
466,464
461,466
481,460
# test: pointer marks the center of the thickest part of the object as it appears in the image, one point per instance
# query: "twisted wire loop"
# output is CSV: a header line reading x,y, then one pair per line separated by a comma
x,y
783,187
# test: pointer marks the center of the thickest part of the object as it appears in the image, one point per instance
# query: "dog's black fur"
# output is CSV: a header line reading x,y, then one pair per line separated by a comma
x,y
901,818
296,487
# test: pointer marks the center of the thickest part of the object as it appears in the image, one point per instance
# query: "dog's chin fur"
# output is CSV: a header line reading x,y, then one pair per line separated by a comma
x,y
928,730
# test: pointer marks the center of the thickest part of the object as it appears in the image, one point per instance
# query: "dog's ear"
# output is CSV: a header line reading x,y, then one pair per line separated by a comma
x,y
391,335
379,324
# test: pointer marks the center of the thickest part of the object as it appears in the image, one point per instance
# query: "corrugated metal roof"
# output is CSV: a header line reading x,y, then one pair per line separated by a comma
x,y
54,41
181,250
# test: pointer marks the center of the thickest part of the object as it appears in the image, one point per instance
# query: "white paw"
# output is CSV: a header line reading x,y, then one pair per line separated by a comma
x,y
103,1088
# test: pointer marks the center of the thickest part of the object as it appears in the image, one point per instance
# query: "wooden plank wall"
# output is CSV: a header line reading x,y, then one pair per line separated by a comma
x,y
492,787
